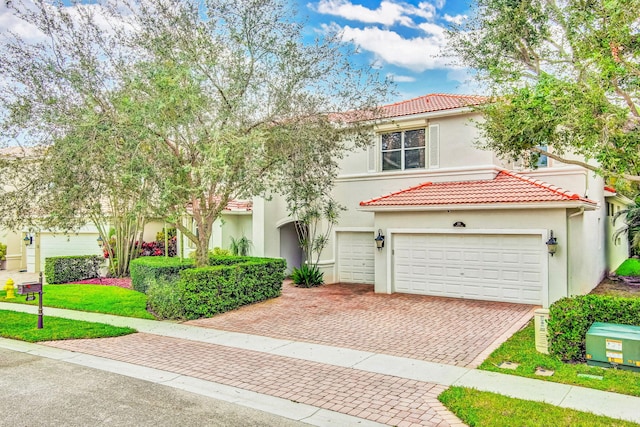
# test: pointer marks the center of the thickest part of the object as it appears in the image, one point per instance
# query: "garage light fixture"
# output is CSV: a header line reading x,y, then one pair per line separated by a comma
x,y
28,240
552,244
379,240
100,241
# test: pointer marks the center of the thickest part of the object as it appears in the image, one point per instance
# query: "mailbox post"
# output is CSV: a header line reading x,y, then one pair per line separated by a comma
x,y
30,289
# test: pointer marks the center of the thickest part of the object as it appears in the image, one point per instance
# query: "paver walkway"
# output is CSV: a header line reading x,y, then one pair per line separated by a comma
x,y
442,330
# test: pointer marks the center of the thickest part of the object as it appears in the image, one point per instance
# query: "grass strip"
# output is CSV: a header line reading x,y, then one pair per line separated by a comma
x,y
24,327
480,409
520,348
93,298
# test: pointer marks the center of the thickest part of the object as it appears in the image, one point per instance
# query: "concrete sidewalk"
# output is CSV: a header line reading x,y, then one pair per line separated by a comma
x,y
385,366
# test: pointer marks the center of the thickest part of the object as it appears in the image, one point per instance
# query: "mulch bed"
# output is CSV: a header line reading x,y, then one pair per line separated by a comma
x,y
124,282
617,286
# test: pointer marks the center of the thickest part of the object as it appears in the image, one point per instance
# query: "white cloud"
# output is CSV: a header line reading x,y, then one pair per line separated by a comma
x,y
457,19
416,54
388,13
401,79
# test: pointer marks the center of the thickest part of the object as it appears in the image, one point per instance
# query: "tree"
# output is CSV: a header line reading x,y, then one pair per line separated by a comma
x,y
206,95
565,78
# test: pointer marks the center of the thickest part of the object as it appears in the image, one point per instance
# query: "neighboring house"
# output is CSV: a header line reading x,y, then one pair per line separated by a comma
x,y
457,221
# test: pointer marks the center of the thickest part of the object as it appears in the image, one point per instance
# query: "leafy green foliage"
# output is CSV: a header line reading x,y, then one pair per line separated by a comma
x,y
631,225
93,298
206,291
3,251
23,326
164,299
484,409
170,111
147,270
520,348
241,246
307,276
564,78
570,319
65,269
630,267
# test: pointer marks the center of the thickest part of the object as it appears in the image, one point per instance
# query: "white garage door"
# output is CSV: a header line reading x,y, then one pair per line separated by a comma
x,y
74,244
356,253
475,266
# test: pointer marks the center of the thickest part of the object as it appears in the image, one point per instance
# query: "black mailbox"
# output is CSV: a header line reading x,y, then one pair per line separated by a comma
x,y
29,288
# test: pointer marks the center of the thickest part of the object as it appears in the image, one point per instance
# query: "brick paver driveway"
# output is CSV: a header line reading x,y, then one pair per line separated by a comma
x,y
445,330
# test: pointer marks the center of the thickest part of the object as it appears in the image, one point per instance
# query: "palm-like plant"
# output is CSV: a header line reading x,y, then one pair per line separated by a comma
x,y
631,225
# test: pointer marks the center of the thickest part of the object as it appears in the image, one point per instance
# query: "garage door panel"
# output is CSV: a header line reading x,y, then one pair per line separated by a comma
x,y
356,257
490,267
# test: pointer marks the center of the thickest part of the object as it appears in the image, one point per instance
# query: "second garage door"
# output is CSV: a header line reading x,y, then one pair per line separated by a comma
x,y
505,267
356,252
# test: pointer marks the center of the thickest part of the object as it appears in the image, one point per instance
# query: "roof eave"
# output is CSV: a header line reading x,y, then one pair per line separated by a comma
x,y
485,206
425,115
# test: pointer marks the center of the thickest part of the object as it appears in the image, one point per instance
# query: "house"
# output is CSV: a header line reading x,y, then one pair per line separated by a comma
x,y
457,220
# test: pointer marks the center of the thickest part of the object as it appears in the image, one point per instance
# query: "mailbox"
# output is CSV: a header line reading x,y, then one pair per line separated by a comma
x,y
29,288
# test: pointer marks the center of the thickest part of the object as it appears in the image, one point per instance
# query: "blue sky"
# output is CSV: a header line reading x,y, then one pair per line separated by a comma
x,y
404,39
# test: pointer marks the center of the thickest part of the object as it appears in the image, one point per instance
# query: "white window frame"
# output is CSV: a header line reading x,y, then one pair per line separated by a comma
x,y
402,150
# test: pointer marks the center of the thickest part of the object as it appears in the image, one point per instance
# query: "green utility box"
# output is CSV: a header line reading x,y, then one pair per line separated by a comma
x,y
613,345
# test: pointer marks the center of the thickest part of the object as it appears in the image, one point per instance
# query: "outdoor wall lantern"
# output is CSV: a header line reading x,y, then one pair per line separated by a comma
x,y
28,240
552,244
379,240
100,241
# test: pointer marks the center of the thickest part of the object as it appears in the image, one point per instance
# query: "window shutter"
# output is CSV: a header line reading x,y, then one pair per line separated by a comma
x,y
371,157
434,146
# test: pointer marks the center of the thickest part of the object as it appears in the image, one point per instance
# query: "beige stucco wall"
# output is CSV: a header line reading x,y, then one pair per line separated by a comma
x,y
14,243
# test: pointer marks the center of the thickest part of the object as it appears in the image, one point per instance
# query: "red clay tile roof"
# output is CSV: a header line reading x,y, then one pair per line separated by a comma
x,y
430,103
507,188
239,205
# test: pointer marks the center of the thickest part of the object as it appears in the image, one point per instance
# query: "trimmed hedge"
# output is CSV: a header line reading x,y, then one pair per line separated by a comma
x,y
211,290
147,270
571,318
65,269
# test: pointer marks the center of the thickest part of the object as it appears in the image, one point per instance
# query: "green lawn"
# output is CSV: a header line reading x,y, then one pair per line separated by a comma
x,y
480,409
94,298
631,267
520,348
23,326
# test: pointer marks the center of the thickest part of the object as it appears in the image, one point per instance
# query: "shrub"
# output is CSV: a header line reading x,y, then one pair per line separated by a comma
x,y
228,285
164,299
241,246
3,252
146,270
307,276
65,269
570,319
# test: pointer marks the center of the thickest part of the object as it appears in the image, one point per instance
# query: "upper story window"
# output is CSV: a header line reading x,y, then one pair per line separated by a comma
x,y
403,150
543,160
409,149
